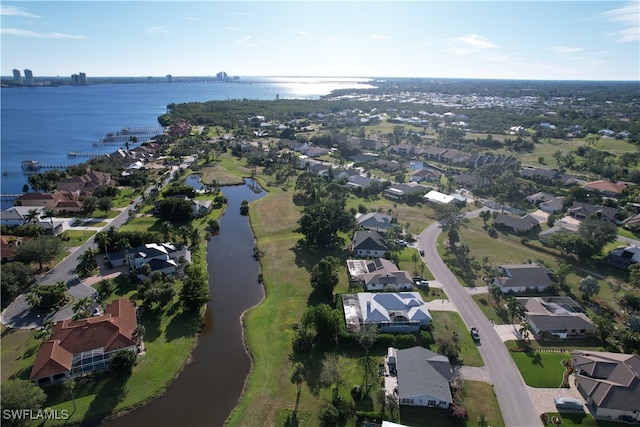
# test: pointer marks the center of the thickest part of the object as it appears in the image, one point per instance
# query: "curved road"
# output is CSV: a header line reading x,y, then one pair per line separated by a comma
x,y
514,400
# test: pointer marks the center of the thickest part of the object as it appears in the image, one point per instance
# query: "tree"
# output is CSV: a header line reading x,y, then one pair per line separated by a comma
x,y
324,320
70,385
525,330
195,290
321,221
485,216
297,376
89,205
49,214
20,395
495,292
603,327
46,297
166,228
82,308
41,249
105,204
589,287
333,371
597,233
634,274
123,361
324,277
87,262
32,215
172,209
513,308
15,278
367,337
561,273
45,331
244,208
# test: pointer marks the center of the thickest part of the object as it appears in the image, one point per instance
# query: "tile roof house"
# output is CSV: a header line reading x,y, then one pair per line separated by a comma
x,y
423,378
375,221
523,277
559,316
389,311
367,243
87,182
78,347
430,175
606,188
610,383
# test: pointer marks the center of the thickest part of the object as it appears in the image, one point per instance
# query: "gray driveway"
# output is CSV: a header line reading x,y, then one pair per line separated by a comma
x,y
514,400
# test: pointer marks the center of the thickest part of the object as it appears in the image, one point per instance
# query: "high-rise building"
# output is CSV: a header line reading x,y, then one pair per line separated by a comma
x,y
79,79
17,77
169,78
28,77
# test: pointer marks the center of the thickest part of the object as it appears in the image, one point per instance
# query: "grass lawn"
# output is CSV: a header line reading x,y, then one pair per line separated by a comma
x,y
406,262
540,369
76,237
19,348
582,419
447,324
487,406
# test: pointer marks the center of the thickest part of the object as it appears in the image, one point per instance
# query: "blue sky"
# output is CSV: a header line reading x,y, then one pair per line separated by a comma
x,y
564,40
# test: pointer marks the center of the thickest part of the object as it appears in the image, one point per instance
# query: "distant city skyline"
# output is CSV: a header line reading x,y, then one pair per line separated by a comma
x,y
542,40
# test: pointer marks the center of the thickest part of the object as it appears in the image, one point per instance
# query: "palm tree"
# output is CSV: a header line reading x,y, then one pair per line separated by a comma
x,y
45,331
495,292
513,307
103,240
525,330
195,237
184,232
32,215
167,230
70,384
297,377
49,213
82,308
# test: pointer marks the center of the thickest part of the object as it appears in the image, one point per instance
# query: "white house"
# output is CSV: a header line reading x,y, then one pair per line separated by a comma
x,y
367,243
162,257
389,311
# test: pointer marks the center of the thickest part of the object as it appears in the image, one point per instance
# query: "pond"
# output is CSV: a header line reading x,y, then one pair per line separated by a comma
x,y
194,180
209,388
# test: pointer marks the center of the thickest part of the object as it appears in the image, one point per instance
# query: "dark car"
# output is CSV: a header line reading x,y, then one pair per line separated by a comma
x,y
474,334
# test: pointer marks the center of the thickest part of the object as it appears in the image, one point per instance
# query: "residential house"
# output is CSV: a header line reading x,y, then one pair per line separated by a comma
x,y
552,206
540,197
371,144
561,317
427,174
198,207
521,224
523,277
423,378
378,274
367,243
454,157
60,201
402,149
632,222
365,157
387,165
609,382
433,152
439,198
162,257
582,211
346,174
360,181
87,182
546,176
16,215
36,200
399,192
388,311
374,221
471,181
79,347
624,256
606,188
545,235
314,151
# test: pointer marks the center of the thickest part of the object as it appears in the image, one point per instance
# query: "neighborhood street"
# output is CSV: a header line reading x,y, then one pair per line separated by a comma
x,y
514,400
18,315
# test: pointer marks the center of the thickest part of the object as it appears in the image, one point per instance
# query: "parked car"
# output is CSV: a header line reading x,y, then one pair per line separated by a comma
x,y
567,403
474,334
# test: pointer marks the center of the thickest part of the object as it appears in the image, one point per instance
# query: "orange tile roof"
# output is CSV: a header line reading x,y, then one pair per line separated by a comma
x,y
111,331
608,186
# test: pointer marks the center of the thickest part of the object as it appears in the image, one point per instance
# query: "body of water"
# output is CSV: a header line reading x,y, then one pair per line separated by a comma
x,y
209,388
45,123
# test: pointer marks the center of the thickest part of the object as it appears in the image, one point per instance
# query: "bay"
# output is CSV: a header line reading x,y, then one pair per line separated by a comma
x,y
45,123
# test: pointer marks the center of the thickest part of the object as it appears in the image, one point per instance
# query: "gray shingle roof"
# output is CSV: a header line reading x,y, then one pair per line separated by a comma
x,y
423,372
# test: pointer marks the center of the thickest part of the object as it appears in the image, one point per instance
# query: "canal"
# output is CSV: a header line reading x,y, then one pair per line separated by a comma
x,y
209,388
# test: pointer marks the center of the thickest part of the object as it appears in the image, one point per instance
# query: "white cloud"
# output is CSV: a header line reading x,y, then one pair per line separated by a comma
x,y
28,33
248,41
565,49
470,43
303,33
380,37
627,16
16,11
155,30
230,28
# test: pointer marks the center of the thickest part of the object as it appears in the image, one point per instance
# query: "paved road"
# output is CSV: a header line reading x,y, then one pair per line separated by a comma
x,y
18,315
514,400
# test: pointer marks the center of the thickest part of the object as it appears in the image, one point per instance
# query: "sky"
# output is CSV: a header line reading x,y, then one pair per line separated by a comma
x,y
542,40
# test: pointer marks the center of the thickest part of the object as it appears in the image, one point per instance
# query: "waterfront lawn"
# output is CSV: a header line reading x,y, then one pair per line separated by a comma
x,y
169,338
539,369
